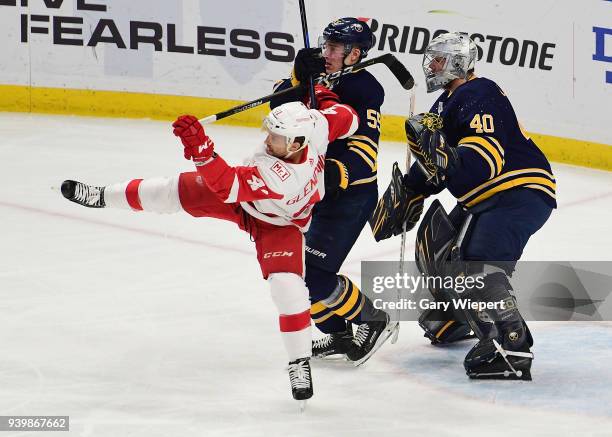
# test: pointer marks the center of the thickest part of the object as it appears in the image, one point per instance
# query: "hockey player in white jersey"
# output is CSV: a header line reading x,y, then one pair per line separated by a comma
x,y
270,197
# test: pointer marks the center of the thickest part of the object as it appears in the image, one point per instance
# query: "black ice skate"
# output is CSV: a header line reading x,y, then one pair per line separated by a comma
x,y
83,194
301,380
369,337
336,343
489,360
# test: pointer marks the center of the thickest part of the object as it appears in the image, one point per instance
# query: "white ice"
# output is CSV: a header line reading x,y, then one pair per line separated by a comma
x,y
146,325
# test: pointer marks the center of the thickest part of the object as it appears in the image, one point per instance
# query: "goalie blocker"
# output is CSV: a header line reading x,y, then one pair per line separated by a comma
x,y
398,205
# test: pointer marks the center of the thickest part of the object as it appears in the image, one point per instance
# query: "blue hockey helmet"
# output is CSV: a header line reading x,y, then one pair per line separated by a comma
x,y
351,32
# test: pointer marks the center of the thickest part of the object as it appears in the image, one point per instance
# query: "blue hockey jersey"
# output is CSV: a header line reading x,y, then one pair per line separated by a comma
x,y
359,152
495,153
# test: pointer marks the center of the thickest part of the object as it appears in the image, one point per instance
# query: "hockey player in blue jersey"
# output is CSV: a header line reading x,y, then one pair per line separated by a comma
x,y
472,144
351,195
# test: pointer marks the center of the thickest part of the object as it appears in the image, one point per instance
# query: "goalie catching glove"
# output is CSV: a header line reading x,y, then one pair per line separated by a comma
x,y
429,147
397,206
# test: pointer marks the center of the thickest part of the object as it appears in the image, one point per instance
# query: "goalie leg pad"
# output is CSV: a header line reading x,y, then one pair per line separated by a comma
x,y
438,242
504,350
443,327
435,239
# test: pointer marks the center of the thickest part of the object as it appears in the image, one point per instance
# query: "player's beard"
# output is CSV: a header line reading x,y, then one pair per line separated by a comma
x,y
270,152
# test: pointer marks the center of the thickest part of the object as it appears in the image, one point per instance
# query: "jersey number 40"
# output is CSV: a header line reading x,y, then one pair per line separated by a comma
x,y
483,124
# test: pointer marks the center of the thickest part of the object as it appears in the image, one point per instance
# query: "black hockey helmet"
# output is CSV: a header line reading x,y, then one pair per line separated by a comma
x,y
351,32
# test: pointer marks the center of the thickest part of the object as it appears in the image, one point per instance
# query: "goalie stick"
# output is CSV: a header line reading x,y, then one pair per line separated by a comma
x,y
396,67
403,238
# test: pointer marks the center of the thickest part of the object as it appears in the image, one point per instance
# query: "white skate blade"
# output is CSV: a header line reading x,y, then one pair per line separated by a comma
x,y
334,357
395,335
389,331
302,405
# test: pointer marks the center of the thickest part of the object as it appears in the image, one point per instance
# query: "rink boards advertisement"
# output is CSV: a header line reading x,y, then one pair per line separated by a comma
x,y
157,59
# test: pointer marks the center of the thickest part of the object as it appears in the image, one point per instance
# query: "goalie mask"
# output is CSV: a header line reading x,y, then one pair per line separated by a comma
x,y
293,121
447,57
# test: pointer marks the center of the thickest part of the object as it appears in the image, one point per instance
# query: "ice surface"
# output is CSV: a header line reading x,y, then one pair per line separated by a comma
x,y
146,325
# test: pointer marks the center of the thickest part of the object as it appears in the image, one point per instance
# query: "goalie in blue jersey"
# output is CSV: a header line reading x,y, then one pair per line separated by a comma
x,y
472,144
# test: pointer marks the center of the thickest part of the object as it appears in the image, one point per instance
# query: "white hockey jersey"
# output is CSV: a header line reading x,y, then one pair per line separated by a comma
x,y
277,191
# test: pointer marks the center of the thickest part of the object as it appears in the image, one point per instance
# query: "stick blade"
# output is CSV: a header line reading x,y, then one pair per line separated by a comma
x,y
399,71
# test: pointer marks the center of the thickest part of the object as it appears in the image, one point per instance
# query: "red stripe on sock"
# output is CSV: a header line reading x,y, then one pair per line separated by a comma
x,y
131,194
294,322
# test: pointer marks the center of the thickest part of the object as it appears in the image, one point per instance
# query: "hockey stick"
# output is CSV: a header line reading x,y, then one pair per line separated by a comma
x,y
403,243
398,70
408,162
311,90
396,67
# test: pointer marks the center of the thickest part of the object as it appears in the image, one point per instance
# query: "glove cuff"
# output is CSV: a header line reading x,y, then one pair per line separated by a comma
x,y
453,159
294,79
208,161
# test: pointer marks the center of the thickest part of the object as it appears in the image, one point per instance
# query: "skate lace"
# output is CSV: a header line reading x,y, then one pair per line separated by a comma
x,y
299,375
322,342
362,334
86,194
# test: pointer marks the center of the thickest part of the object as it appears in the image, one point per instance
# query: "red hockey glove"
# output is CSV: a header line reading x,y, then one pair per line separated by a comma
x,y
198,146
325,97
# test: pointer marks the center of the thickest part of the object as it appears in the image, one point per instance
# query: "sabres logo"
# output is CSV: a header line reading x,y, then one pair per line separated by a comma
x,y
357,27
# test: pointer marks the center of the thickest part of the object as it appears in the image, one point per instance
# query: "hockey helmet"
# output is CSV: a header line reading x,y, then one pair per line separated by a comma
x,y
291,120
448,56
351,32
